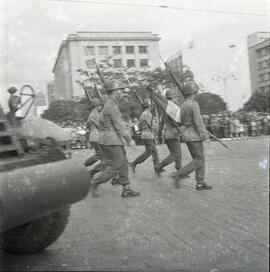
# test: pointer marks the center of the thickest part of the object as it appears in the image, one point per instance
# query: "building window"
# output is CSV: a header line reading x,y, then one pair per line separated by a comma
x,y
103,50
263,64
130,49
131,63
261,52
117,63
116,50
264,77
143,49
90,64
143,62
89,50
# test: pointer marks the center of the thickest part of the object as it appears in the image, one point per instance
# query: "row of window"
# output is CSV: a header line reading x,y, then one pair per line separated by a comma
x,y
264,77
263,64
265,89
117,63
116,50
263,51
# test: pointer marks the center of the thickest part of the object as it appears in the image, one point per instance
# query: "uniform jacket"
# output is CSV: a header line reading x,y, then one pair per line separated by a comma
x,y
113,127
93,125
192,126
172,130
101,128
148,125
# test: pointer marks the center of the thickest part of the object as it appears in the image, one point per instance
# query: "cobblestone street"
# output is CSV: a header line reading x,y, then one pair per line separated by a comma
x,y
224,229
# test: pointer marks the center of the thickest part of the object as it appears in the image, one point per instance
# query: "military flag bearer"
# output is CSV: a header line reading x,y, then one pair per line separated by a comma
x,y
171,136
193,133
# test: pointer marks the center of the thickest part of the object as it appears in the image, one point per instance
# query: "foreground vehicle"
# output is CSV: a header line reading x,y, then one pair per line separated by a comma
x,y
37,187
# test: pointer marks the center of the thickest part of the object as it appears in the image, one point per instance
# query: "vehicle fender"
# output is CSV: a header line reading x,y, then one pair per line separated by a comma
x,y
32,192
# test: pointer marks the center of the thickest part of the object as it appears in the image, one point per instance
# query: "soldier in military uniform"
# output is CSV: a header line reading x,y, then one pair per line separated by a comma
x,y
13,103
171,137
104,162
193,133
113,137
93,126
148,127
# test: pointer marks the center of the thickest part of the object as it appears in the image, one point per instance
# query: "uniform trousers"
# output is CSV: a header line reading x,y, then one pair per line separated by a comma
x,y
118,164
150,150
104,163
174,147
196,150
97,156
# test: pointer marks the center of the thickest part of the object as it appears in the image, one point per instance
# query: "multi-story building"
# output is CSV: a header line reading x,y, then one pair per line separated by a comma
x,y
259,65
40,104
84,49
51,92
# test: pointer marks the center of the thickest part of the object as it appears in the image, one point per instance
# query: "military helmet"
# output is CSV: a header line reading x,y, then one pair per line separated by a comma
x,y
170,94
95,102
146,103
12,90
190,88
114,85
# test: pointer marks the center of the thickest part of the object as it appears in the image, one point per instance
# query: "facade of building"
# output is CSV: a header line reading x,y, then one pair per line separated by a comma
x,y
51,92
83,49
259,61
40,103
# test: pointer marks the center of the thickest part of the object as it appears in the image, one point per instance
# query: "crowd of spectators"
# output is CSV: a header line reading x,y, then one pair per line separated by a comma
x,y
238,124
221,125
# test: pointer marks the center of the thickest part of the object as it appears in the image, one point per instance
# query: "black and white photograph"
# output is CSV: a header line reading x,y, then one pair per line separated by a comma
x,y
134,135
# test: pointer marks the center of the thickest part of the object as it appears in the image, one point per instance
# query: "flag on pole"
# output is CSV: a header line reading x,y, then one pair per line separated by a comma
x,y
166,106
174,66
175,63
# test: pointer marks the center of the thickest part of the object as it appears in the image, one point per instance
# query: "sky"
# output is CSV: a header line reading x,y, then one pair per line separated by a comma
x,y
31,32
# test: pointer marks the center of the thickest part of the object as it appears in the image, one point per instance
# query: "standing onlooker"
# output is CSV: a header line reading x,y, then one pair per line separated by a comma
x,y
266,124
259,125
253,126
214,125
225,125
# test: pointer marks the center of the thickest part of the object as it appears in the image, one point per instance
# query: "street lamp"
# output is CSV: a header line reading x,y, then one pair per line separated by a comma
x,y
224,79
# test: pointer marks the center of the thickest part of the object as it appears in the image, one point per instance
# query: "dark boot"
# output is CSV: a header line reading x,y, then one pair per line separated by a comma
x,y
159,170
91,174
128,192
176,180
132,166
115,181
93,190
203,186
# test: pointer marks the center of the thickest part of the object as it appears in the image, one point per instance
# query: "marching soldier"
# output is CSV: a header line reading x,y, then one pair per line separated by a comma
x,y
103,161
148,126
93,126
193,133
114,136
171,137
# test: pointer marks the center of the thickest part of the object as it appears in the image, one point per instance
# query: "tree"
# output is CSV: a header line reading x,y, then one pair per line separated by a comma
x,y
258,102
59,109
211,103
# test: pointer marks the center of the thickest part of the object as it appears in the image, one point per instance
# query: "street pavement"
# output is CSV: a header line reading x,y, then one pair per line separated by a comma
x,y
225,229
